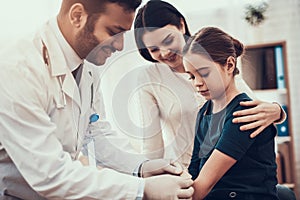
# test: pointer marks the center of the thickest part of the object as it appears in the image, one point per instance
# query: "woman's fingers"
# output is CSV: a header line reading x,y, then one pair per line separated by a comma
x,y
257,131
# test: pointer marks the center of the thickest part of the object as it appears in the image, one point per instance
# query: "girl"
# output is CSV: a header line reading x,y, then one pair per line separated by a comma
x,y
226,162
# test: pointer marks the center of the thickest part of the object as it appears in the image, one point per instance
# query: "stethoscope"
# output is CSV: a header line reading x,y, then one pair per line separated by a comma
x,y
60,105
94,117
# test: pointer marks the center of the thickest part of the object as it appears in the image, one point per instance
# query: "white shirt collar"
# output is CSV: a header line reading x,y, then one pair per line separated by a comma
x,y
72,59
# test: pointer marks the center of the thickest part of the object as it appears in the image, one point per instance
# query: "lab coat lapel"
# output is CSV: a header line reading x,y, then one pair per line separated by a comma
x,y
86,88
71,89
58,66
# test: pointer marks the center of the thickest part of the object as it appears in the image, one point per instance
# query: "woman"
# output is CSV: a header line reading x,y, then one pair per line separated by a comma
x,y
226,162
166,101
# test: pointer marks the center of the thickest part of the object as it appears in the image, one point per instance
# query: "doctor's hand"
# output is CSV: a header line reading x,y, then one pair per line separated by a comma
x,y
160,166
168,187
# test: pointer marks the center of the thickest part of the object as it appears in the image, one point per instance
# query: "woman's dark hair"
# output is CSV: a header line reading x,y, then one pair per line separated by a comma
x,y
153,15
214,43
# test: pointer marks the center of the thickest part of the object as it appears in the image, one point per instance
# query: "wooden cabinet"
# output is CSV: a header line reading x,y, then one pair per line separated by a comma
x,y
264,68
284,161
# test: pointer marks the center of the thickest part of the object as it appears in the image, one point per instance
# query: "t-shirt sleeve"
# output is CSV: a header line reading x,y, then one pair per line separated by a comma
x,y
234,142
195,160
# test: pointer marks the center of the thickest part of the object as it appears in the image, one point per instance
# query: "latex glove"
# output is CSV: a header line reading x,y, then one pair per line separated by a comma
x,y
160,166
168,187
186,174
260,116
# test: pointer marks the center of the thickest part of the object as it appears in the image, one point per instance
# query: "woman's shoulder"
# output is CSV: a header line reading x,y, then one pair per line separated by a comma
x,y
154,71
155,68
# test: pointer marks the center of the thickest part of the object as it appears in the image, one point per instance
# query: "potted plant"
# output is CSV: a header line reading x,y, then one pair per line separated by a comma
x,y
255,14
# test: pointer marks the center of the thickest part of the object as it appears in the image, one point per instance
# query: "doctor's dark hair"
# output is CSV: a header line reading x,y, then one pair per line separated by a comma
x,y
152,16
215,44
95,8
98,6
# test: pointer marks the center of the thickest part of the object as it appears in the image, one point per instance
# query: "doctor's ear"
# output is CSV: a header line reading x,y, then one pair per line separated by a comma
x,y
77,15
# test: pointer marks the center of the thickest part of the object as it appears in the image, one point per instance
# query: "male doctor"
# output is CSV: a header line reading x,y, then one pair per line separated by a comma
x,y
46,117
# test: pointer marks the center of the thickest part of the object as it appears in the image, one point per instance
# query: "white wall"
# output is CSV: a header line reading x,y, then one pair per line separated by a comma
x,y
19,18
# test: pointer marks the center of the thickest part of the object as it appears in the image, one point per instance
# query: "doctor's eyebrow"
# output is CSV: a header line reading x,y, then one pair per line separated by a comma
x,y
114,30
120,28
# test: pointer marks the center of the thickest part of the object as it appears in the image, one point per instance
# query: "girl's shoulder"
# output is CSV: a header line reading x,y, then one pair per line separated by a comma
x,y
234,105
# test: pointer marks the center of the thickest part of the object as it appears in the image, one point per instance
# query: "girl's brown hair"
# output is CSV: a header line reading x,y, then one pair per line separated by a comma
x,y
215,43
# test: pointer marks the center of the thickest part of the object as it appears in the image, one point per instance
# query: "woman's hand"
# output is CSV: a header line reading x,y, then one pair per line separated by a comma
x,y
260,116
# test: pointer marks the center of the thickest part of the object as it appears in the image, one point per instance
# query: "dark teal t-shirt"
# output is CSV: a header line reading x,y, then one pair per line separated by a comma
x,y
255,169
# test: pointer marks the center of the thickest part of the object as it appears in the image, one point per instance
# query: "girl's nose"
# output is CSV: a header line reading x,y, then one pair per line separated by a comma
x,y
198,81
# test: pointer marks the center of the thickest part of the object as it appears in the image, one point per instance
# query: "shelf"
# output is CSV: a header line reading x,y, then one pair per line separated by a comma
x,y
282,91
272,95
284,159
264,68
282,139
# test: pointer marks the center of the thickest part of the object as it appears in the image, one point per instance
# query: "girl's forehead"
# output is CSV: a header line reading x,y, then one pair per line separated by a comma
x,y
194,62
196,59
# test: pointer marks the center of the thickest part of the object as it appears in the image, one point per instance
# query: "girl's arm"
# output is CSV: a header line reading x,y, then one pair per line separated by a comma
x,y
195,160
213,170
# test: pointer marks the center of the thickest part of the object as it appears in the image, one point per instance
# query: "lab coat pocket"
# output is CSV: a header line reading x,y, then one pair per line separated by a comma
x,y
89,141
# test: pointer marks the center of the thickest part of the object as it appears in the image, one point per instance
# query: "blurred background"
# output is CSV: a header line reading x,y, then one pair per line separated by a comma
x,y
270,66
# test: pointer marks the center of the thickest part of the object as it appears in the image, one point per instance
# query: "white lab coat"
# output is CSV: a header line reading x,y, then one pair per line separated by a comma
x,y
43,123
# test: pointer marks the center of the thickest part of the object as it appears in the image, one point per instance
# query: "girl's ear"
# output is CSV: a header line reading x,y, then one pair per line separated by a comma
x,y
231,64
